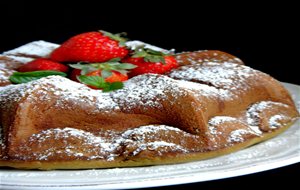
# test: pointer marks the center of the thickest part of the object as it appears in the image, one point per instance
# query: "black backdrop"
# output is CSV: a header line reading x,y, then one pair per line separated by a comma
x,y
263,36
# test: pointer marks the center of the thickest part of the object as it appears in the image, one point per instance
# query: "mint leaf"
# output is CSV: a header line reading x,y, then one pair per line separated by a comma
x,y
113,86
95,81
99,82
24,77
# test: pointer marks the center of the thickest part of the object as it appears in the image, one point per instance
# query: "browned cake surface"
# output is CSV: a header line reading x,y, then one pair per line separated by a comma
x,y
212,105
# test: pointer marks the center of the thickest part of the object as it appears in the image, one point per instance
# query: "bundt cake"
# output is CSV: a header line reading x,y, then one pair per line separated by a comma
x,y
211,105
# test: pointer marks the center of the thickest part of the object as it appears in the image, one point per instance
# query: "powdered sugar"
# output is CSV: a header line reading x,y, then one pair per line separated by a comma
x,y
19,58
274,121
221,119
99,146
4,76
226,76
237,135
34,49
144,131
147,91
134,44
254,117
63,88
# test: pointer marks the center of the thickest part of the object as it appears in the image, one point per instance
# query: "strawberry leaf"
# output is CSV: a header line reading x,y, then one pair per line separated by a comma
x,y
106,73
125,66
140,53
106,67
24,77
118,37
85,68
149,55
115,60
155,59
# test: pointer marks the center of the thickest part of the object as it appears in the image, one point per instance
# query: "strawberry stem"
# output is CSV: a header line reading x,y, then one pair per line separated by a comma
x,y
118,37
149,55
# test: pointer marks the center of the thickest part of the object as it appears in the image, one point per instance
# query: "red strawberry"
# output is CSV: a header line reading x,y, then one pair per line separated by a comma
x,y
43,64
115,77
74,74
95,80
91,47
150,61
107,76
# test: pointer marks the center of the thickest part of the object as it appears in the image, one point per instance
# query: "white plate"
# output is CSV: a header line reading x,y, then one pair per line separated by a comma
x,y
280,151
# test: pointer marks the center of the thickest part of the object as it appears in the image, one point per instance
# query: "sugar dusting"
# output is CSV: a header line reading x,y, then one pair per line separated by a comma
x,y
34,49
274,121
135,44
4,75
99,146
237,135
147,91
63,88
226,76
221,119
254,118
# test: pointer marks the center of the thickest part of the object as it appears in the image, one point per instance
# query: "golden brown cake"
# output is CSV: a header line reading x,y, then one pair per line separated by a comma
x,y
209,106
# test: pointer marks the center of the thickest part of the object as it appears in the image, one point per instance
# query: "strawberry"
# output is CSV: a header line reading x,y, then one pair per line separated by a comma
x,y
150,61
115,77
91,47
43,64
106,76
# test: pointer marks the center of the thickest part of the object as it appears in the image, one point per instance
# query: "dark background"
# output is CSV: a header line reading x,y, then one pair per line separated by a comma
x,y
263,36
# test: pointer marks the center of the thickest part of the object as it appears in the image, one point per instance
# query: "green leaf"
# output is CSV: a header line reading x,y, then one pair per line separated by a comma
x,y
140,53
126,66
95,81
113,86
24,77
124,72
85,68
115,60
149,55
118,37
105,67
154,52
77,66
99,82
106,73
154,59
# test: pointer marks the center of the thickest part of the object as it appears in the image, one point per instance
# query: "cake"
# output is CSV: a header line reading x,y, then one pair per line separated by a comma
x,y
211,105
